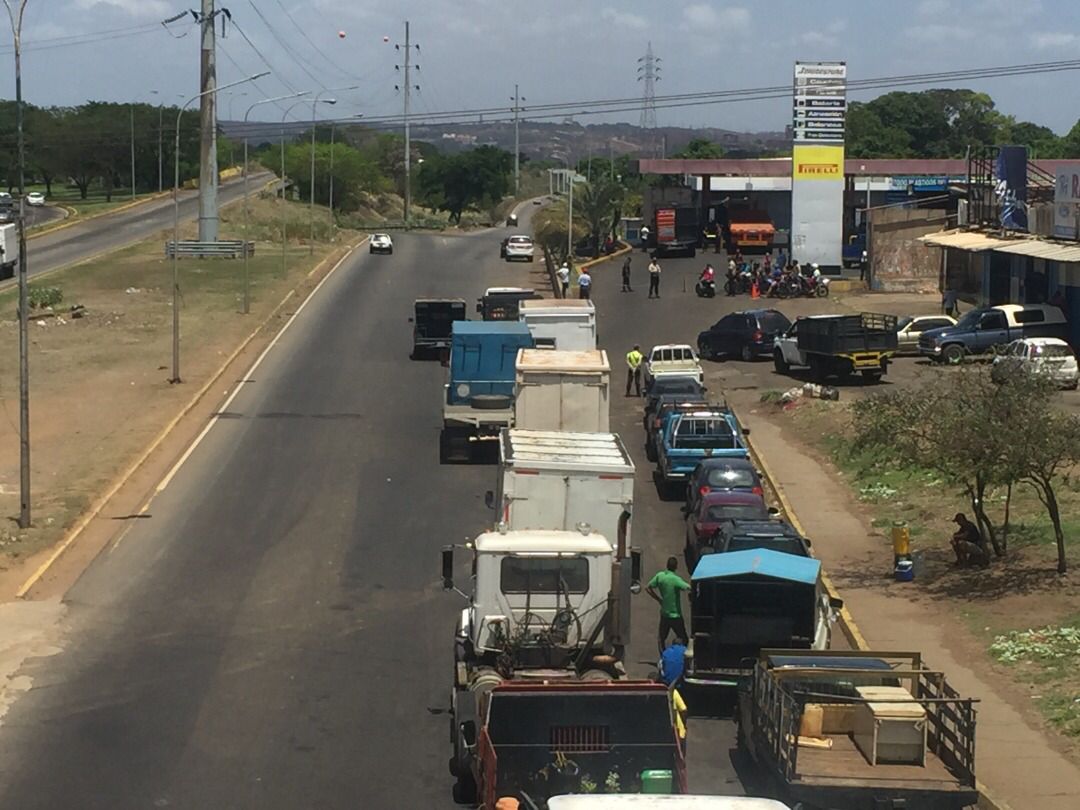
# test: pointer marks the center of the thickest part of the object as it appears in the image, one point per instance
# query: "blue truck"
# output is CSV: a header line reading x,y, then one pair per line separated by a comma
x,y
478,399
688,435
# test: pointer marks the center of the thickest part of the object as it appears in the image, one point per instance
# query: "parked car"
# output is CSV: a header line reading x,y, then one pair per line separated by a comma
x,y
688,435
381,243
909,329
35,198
772,533
672,360
747,335
713,511
1043,356
519,247
979,331
721,475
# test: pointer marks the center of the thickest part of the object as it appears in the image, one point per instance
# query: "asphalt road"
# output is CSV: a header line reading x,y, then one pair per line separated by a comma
x,y
42,215
111,232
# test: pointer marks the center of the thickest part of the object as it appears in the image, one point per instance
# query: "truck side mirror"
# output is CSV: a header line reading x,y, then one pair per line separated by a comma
x,y
746,431
448,568
635,570
489,499
836,603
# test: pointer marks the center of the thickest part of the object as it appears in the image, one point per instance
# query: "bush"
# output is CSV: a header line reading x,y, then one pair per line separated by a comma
x,y
44,297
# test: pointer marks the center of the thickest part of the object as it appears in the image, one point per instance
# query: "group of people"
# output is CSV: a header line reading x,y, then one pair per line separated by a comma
x,y
767,276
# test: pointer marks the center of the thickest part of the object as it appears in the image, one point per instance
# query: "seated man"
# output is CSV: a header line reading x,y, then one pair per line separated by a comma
x,y
673,662
967,542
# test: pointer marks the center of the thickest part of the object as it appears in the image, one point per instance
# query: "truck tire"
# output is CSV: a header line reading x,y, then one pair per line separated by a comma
x,y
650,450
491,402
818,372
953,354
747,354
779,363
872,376
464,790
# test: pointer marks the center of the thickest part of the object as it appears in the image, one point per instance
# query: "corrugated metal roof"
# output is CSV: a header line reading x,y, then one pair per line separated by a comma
x,y
965,240
1053,251
763,562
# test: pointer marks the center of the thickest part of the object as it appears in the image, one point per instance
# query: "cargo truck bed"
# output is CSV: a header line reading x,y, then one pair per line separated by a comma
x,y
845,766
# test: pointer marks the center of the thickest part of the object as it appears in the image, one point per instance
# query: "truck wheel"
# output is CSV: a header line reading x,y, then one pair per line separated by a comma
x,y
491,402
747,354
464,790
650,450
872,376
779,363
953,354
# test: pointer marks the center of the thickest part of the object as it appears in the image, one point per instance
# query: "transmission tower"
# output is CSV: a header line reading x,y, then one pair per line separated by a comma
x,y
648,72
407,89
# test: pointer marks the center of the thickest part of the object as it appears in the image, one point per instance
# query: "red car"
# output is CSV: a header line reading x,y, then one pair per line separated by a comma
x,y
713,509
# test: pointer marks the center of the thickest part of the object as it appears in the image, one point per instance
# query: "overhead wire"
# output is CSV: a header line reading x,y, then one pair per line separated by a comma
x,y
266,62
315,47
284,43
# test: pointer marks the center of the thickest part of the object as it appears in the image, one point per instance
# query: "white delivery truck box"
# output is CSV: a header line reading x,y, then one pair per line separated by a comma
x,y
9,250
562,390
553,480
564,324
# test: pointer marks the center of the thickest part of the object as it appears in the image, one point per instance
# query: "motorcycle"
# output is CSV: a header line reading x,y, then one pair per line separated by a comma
x,y
811,287
705,288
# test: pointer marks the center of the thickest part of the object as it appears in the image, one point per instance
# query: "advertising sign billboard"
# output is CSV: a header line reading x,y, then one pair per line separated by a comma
x,y
1066,203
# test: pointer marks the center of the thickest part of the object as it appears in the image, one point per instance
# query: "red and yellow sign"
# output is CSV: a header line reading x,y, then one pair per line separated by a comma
x,y
813,162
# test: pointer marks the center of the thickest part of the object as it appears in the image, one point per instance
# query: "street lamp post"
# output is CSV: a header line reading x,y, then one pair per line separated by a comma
x,y
311,201
131,109
247,287
284,226
333,220
176,219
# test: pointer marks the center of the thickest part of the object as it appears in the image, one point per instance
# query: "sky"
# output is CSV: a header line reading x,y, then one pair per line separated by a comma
x,y
472,52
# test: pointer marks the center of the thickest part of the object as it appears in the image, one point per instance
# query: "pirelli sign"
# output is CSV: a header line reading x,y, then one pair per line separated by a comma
x,y
813,162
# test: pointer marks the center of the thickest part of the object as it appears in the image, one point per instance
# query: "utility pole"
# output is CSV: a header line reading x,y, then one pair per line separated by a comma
x,y
131,107
208,166
16,17
408,87
517,141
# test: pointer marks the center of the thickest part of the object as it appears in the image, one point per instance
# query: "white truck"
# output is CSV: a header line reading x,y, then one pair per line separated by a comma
x,y
564,324
9,250
558,390
673,360
555,480
545,605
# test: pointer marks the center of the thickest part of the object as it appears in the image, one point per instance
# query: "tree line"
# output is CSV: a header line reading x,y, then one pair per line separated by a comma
x,y
943,123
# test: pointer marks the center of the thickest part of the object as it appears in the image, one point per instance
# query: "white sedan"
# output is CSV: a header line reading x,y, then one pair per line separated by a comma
x,y
381,243
35,198
1051,357
519,247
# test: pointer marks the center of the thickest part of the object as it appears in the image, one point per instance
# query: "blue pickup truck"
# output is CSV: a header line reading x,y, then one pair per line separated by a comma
x,y
689,435
478,399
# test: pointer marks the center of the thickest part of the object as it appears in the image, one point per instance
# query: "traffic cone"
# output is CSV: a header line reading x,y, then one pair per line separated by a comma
x,y
754,292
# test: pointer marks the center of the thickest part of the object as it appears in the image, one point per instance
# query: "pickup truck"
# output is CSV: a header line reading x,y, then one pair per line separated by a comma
x,y
838,345
687,435
675,360
980,331
433,321
857,730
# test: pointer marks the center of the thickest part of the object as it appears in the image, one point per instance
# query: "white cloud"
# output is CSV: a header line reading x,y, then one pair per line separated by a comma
x,y
939,32
816,38
1051,40
624,19
136,8
700,16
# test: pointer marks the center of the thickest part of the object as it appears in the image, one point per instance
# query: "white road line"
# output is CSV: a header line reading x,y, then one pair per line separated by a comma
x,y
247,376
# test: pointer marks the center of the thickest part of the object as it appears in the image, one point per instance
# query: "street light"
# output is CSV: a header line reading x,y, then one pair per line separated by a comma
x,y
284,232
247,293
311,201
333,220
176,219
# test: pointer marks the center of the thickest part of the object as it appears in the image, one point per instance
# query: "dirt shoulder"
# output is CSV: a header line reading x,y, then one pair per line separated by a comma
x,y
950,615
99,376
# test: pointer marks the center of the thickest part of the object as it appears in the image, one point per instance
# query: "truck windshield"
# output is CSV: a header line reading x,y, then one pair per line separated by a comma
x,y
704,433
970,319
544,575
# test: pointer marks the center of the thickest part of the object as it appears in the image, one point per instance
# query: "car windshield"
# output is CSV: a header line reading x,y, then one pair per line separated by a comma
x,y
729,478
774,322
787,545
701,433
520,240
971,318
544,575
1053,350
735,512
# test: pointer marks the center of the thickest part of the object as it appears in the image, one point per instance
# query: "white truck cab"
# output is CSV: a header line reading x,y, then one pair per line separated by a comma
x,y
673,360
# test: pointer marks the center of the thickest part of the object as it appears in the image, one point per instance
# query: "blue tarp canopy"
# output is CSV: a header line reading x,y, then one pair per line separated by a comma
x,y
490,328
762,562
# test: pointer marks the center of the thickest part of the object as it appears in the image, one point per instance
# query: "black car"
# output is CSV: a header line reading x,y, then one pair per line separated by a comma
x,y
669,389
748,334
716,474
775,534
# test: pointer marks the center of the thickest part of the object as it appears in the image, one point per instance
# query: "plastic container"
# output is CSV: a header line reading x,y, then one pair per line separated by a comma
x,y
657,782
901,539
904,571
812,720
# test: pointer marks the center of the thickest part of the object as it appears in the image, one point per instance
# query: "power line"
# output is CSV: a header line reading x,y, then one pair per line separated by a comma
x,y
315,47
284,43
262,58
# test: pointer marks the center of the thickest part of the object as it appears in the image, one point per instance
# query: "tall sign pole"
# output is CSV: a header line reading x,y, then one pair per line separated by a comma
x,y
208,165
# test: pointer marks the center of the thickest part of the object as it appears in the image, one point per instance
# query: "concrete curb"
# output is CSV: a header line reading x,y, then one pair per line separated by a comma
x,y
987,799
601,259
101,501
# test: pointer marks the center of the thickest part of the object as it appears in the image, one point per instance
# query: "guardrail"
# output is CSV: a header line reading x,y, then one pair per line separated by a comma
x,y
226,249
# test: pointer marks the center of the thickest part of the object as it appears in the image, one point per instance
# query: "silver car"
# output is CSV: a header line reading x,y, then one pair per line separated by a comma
x,y
908,330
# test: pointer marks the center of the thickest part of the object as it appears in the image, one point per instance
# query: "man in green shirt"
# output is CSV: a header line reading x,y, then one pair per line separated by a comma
x,y
665,588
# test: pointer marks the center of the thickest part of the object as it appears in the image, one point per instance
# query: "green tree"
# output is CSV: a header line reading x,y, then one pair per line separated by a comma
x,y
354,173
550,229
475,179
700,149
599,206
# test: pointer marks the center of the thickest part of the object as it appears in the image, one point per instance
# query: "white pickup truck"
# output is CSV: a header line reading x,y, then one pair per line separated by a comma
x,y
673,360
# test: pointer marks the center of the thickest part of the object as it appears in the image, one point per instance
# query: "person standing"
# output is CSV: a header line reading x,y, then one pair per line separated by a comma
x,y
862,266
654,278
626,275
584,284
948,302
563,275
644,238
665,588
634,358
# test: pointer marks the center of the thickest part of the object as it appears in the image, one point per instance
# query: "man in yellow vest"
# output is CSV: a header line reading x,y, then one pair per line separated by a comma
x,y
634,358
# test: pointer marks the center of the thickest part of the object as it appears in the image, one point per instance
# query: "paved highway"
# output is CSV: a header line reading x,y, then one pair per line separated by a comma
x,y
275,634
114,231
